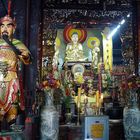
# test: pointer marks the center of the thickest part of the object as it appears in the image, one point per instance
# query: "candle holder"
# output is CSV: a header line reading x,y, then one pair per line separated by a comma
x,y
78,117
85,105
78,106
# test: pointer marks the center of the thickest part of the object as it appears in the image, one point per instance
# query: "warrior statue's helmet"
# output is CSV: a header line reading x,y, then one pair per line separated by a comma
x,y
8,18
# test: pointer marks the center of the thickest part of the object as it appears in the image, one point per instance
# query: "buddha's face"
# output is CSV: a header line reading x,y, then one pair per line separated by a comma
x,y
7,28
74,38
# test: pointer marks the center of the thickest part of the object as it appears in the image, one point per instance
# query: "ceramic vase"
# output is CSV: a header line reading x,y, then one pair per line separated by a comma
x,y
49,118
131,116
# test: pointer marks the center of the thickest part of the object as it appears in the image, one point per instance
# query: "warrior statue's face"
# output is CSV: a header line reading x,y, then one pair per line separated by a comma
x,y
7,28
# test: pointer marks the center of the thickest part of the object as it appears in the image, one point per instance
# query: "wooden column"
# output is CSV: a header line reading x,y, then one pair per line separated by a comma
x,y
138,24
27,14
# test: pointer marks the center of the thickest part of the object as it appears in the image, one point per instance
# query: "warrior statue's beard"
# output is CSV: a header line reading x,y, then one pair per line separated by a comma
x,y
5,37
5,33
17,51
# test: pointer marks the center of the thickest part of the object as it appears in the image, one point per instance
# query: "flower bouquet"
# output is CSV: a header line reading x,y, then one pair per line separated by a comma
x,y
130,90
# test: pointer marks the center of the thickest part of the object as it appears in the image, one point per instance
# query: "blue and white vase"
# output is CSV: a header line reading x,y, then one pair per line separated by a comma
x,y
131,116
49,119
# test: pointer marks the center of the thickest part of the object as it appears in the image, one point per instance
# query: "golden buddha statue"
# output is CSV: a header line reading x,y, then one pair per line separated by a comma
x,y
74,50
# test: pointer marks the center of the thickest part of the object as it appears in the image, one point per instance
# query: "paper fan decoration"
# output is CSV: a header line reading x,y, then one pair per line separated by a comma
x,y
70,29
93,42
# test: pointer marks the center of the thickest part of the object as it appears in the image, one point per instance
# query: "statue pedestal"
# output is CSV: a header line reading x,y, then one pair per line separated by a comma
x,y
70,64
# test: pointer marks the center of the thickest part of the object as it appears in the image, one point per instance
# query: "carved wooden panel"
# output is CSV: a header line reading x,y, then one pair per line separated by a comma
x,y
58,13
